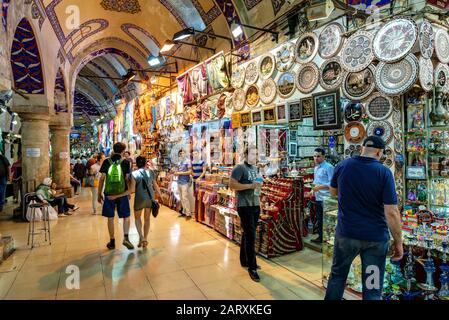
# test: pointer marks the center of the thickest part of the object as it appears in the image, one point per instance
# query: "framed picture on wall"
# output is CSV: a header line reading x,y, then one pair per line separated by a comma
x,y
326,111
281,112
245,118
293,134
306,107
269,115
236,120
294,111
293,149
257,117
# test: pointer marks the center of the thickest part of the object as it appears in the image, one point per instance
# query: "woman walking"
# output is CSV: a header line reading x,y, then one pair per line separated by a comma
x,y
93,177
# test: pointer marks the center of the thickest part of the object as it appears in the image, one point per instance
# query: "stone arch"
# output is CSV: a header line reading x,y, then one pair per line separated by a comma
x,y
60,99
26,61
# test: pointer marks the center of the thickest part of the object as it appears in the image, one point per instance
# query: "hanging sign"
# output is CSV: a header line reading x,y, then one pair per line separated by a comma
x,y
33,152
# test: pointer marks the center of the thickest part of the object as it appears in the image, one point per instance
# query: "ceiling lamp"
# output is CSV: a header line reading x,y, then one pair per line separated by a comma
x,y
129,76
155,61
236,30
168,45
153,80
183,34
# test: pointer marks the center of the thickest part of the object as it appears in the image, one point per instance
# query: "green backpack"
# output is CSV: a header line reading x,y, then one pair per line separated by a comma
x,y
115,179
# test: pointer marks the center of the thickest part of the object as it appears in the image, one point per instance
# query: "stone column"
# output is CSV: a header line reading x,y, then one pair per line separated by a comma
x,y
35,148
60,160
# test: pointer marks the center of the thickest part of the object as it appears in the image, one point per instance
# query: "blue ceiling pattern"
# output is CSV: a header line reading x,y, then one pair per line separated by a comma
x,y
5,5
84,105
25,60
60,94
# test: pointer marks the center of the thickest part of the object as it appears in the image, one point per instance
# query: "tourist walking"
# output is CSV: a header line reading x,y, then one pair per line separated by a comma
x,y
92,181
4,176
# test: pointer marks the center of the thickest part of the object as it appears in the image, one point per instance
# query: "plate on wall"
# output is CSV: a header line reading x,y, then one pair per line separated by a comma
x,y
359,85
285,57
238,77
252,96
307,77
306,47
238,99
442,45
382,129
354,111
426,73
354,132
331,74
395,39
330,40
251,73
357,52
441,76
379,107
267,65
268,91
397,78
286,84
426,39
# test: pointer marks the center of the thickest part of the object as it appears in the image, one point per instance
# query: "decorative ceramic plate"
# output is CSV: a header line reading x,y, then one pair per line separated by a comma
x,y
330,40
442,45
357,53
441,76
353,150
252,96
395,39
229,103
388,157
382,129
306,47
267,65
251,74
307,77
331,74
379,107
238,77
268,91
359,85
426,39
286,84
354,132
354,111
397,78
238,99
426,73
285,57
221,106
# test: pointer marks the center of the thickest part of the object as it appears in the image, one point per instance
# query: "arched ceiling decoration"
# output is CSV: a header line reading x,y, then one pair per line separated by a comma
x,y
146,40
25,60
5,5
60,94
84,106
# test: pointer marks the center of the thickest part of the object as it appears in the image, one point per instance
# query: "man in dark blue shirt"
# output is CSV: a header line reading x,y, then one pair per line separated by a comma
x,y
367,208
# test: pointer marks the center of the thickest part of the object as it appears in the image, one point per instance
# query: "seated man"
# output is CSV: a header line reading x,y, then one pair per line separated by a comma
x,y
46,192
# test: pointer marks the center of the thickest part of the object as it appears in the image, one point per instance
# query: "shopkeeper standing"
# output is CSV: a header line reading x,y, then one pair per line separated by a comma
x,y
185,185
247,184
322,178
199,167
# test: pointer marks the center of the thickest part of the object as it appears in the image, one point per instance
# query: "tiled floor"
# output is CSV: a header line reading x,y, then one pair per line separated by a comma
x,y
185,260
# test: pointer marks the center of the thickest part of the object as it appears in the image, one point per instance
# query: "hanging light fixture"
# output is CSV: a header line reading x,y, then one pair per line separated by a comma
x,y
183,34
154,61
168,45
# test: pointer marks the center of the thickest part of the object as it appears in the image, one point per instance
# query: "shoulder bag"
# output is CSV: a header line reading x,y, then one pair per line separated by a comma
x,y
154,205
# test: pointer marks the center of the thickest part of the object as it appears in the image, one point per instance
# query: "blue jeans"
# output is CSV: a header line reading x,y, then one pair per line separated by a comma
x,y
249,216
373,256
3,184
319,218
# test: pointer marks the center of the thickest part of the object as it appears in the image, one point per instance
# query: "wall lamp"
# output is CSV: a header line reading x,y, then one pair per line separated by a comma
x,y
169,44
188,32
237,30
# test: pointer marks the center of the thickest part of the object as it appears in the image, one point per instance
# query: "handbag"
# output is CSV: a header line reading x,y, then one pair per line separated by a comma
x,y
154,205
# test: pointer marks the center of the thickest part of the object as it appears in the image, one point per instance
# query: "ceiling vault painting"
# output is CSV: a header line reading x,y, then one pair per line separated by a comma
x,y
128,6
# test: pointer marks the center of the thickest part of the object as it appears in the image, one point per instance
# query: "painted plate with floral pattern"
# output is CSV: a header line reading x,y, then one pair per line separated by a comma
x,y
357,53
285,57
286,84
426,73
359,85
268,91
426,39
306,47
379,107
331,74
267,65
330,40
238,77
382,129
238,99
442,45
252,96
354,132
441,76
251,73
307,77
397,78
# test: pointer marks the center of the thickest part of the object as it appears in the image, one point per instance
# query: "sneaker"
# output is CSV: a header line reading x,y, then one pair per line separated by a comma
x,y
254,275
74,208
68,213
317,240
128,244
111,245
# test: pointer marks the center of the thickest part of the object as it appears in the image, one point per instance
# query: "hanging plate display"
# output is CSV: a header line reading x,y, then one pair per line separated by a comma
x,y
426,73
359,85
285,57
395,39
388,157
397,78
238,99
442,45
357,53
268,91
267,65
331,74
382,129
252,96
379,107
221,109
286,84
426,39
441,76
307,77
306,47
354,111
238,77
251,73
330,40
354,132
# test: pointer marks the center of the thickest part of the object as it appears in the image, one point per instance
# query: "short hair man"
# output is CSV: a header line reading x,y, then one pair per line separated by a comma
x,y
185,185
322,179
367,209
121,203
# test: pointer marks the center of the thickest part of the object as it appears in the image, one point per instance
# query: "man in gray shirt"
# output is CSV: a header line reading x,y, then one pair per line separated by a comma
x,y
244,181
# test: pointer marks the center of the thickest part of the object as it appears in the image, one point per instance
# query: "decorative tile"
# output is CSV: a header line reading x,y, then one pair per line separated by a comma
x,y
5,5
84,105
128,6
277,5
249,4
60,94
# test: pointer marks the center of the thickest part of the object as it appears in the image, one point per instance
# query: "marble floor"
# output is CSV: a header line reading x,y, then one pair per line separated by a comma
x,y
185,260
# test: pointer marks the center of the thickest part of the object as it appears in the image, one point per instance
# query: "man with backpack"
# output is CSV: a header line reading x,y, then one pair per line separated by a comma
x,y
4,176
115,173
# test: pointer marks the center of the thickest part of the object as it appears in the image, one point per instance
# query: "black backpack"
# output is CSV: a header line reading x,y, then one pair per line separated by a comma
x,y
4,165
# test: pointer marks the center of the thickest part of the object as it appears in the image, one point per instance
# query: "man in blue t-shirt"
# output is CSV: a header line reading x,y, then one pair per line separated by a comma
x,y
367,208
185,186
198,167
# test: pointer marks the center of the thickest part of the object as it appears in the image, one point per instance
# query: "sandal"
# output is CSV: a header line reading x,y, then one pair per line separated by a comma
x,y
144,244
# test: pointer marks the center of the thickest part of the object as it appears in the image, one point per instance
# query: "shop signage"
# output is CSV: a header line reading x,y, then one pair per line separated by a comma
x,y
33,152
326,111
443,4
63,155
416,172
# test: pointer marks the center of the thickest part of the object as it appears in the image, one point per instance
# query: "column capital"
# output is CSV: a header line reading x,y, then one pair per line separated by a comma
x,y
32,113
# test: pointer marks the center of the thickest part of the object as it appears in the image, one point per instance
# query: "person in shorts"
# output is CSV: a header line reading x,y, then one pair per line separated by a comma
x,y
120,203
